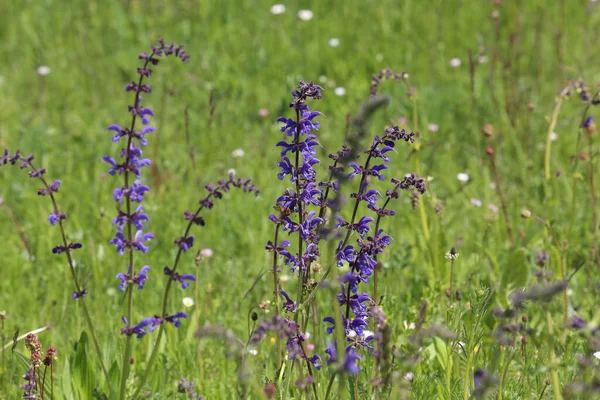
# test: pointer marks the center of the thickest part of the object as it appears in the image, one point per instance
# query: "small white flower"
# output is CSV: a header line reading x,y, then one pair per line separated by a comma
x,y
455,62
597,355
463,177
475,202
492,186
284,278
277,9
305,15
206,253
237,153
409,376
231,171
253,351
44,70
407,325
451,255
493,208
482,59
188,302
334,42
323,79
554,136
433,127
307,335
340,91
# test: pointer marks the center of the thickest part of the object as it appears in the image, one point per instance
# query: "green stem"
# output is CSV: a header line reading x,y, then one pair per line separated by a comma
x,y
126,366
329,386
88,319
553,121
553,373
90,324
276,290
165,300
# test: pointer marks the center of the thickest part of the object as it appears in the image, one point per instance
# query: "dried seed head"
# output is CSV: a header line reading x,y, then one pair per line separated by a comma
x,y
525,213
488,130
270,390
316,268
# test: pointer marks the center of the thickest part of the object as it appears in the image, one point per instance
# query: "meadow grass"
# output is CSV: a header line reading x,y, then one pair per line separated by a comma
x,y
244,59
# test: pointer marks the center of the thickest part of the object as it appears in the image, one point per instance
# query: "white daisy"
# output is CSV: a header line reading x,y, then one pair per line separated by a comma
x,y
44,70
340,91
238,153
188,302
277,9
305,15
463,177
455,62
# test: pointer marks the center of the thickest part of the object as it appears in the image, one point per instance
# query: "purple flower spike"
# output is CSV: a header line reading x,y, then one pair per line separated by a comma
x,y
52,188
350,363
140,239
185,243
316,361
76,295
55,217
139,279
289,305
62,249
183,279
578,323
174,319
588,121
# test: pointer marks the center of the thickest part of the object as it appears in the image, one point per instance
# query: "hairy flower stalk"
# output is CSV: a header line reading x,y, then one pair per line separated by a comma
x,y
295,204
184,243
361,257
126,220
58,217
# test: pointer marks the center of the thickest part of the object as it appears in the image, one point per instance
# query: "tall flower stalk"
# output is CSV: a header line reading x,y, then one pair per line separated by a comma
x,y
125,239
295,216
184,243
58,217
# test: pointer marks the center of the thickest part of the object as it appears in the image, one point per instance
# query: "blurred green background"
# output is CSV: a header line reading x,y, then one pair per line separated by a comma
x,y
247,59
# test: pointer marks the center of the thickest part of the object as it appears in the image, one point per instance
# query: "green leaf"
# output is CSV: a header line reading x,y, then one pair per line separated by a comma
x,y
441,351
67,382
84,378
515,271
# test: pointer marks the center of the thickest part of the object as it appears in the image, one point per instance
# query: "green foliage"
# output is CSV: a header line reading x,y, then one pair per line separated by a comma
x,y
248,59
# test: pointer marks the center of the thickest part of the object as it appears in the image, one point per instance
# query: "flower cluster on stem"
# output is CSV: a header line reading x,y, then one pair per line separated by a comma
x,y
130,224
